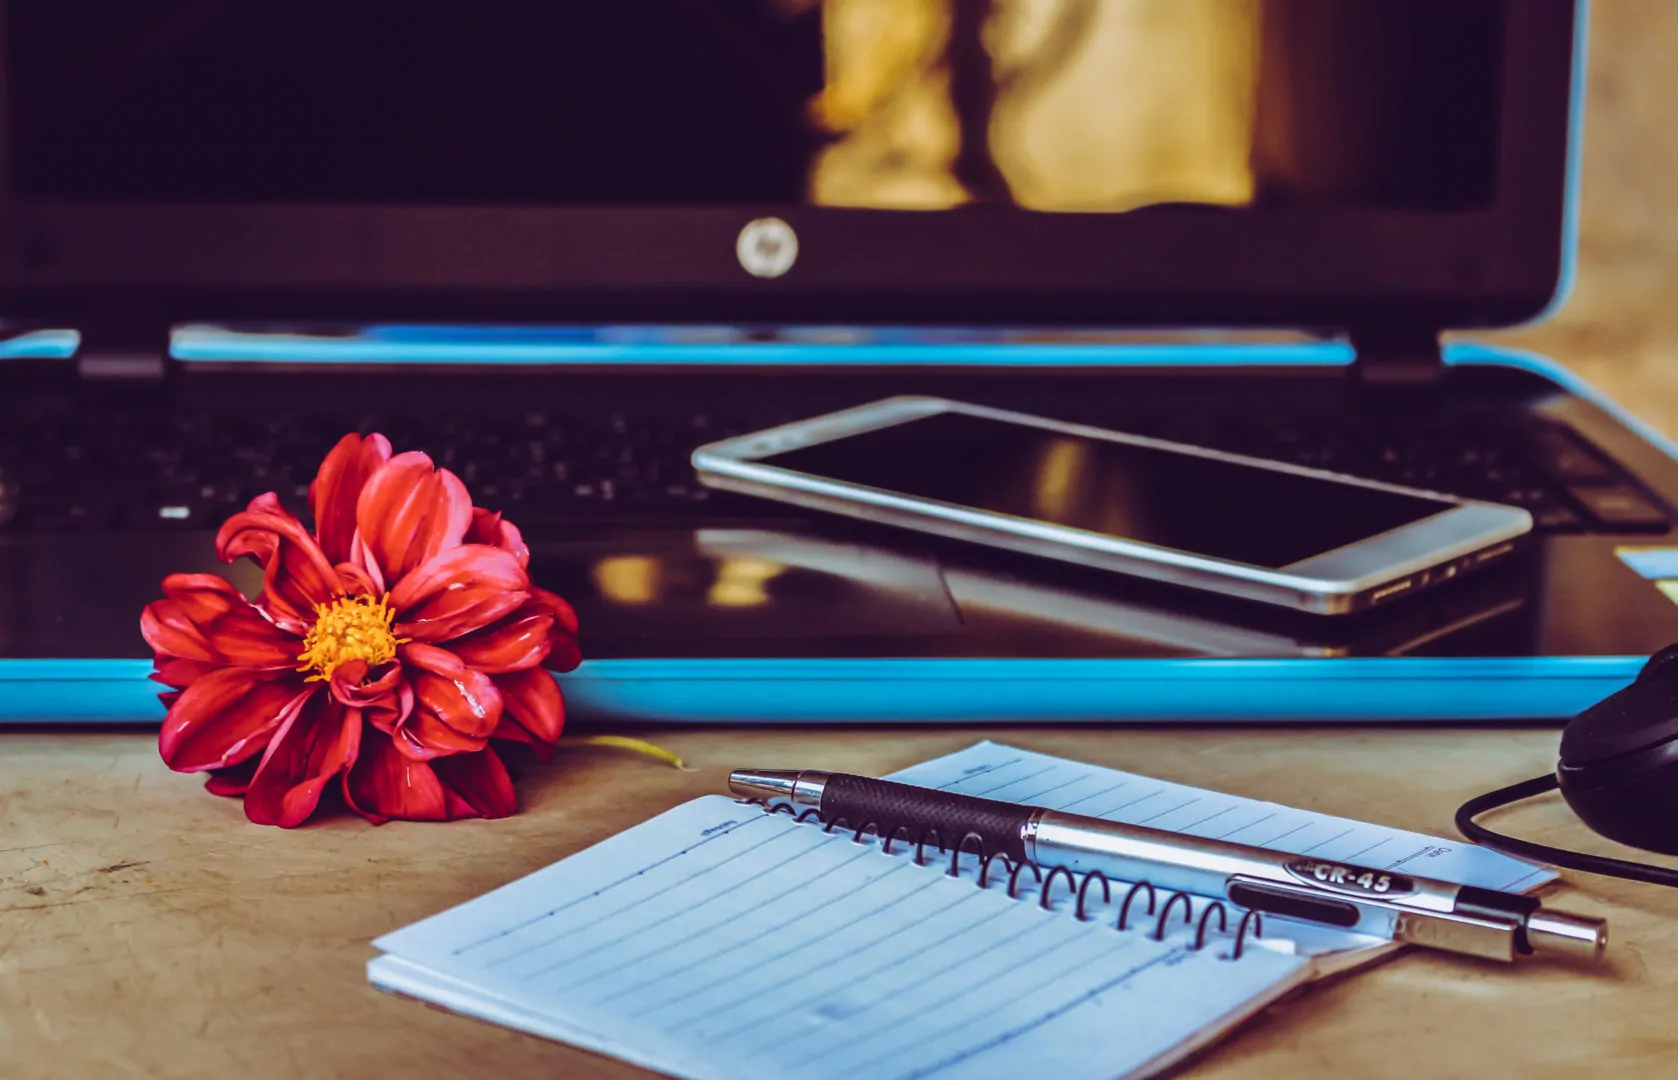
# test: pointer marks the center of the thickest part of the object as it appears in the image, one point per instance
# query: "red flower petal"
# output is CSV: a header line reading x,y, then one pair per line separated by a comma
x,y
226,716
480,781
392,712
532,699
563,655
455,707
385,702
232,781
168,625
425,737
337,487
204,618
384,784
173,671
490,528
464,589
358,581
362,556
317,743
508,730
565,616
203,597
455,807
521,640
350,685
296,575
410,512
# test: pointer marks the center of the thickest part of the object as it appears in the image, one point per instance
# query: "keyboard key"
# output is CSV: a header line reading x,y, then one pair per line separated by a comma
x,y
1621,508
1559,455
76,514
176,512
1550,516
1525,496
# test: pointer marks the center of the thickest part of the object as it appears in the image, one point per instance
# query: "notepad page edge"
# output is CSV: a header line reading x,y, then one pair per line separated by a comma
x,y
1226,1025
403,978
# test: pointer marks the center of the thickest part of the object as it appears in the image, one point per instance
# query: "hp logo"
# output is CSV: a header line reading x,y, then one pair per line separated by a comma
x,y
767,247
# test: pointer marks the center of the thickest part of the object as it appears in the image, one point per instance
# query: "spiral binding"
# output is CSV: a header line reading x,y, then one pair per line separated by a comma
x,y
1251,923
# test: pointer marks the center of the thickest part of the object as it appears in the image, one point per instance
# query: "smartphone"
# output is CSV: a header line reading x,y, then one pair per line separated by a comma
x,y
1224,523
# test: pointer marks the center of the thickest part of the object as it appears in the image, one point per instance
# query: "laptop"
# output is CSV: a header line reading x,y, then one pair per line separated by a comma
x,y
559,247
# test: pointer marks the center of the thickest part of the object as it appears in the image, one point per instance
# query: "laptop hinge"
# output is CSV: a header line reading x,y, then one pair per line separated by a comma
x,y
1399,359
127,346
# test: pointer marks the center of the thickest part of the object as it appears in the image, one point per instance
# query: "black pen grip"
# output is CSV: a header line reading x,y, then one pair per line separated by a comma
x,y
942,817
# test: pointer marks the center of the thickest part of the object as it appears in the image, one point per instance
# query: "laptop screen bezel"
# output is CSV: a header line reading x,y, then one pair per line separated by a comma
x,y
1328,267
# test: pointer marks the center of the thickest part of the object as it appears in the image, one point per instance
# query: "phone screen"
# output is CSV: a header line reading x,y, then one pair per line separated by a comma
x,y
1204,506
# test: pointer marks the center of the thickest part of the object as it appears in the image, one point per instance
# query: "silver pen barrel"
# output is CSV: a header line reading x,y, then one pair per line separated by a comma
x,y
1363,899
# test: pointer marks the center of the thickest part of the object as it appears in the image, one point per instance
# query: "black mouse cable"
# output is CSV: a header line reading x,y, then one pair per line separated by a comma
x,y
1526,849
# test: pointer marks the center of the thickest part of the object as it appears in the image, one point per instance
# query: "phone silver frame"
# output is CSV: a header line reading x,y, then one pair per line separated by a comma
x,y
1462,538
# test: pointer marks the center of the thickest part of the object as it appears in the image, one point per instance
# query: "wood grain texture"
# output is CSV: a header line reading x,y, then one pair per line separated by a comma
x,y
147,930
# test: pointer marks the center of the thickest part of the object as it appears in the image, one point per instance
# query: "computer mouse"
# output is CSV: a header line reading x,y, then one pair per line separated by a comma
x,y
1618,766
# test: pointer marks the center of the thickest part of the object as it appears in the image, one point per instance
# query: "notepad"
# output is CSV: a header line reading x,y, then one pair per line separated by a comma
x,y
717,940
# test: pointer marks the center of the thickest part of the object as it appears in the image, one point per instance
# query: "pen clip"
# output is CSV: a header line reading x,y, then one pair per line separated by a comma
x,y
1454,931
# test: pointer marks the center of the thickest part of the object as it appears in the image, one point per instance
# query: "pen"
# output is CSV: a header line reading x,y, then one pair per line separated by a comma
x,y
1367,900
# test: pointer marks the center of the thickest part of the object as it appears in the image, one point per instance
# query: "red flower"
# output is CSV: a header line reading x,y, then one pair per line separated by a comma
x,y
387,650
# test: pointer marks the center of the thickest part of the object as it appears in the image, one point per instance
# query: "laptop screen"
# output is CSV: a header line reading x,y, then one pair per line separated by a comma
x,y
1085,106
1145,163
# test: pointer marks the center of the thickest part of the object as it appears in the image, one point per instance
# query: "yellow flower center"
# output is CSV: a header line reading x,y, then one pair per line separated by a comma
x,y
349,628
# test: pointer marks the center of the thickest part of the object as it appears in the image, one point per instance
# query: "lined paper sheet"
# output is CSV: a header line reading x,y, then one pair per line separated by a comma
x,y
995,771
719,941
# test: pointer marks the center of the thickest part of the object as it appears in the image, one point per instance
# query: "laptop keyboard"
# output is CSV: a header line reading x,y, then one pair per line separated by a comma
x,y
116,470
1566,484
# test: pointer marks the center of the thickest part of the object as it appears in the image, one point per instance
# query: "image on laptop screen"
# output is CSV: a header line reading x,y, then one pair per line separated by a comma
x,y
1089,106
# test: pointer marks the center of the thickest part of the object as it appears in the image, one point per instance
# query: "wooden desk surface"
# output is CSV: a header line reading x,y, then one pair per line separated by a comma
x,y
147,930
